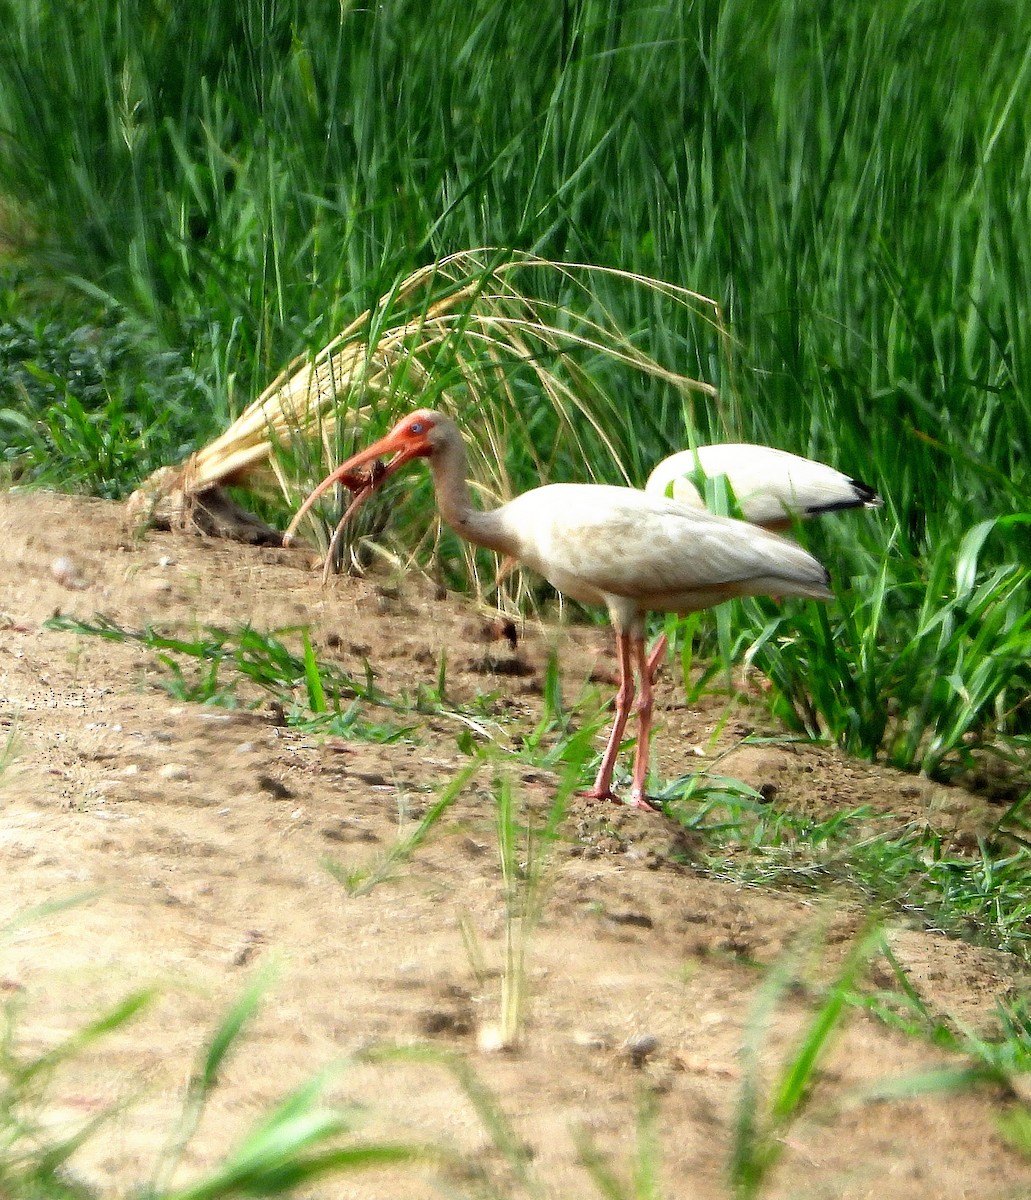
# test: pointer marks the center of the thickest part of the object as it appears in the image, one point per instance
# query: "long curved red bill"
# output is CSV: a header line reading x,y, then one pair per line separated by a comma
x,y
361,483
359,478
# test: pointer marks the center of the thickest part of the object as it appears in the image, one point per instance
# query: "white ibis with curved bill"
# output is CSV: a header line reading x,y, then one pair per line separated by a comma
x,y
772,487
598,544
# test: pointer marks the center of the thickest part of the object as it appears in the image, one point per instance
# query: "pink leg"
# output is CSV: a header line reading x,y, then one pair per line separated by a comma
x,y
646,667
602,789
655,658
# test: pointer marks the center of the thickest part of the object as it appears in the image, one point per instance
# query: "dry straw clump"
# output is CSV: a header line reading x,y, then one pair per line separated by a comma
x,y
461,334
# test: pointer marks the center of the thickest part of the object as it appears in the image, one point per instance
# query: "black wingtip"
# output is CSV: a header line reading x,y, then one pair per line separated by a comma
x,y
865,495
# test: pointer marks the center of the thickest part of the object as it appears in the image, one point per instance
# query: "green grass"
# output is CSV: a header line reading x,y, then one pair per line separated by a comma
x,y
762,1123
8,745
849,183
525,848
913,871
924,669
90,400
361,879
264,663
302,1140
306,1140
906,871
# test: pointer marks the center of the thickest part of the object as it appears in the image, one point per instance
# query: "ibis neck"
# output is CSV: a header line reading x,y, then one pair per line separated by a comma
x,y
489,529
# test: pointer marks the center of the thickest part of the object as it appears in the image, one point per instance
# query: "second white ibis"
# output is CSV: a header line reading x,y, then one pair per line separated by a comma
x,y
772,487
613,546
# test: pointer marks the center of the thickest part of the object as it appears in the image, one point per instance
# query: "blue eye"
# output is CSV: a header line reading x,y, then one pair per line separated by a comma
x,y
415,427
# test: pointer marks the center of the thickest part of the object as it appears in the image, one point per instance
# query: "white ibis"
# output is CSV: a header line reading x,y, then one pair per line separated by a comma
x,y
615,546
772,487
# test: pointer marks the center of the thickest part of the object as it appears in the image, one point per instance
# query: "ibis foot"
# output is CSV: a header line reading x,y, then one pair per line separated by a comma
x,y
595,793
640,800
635,801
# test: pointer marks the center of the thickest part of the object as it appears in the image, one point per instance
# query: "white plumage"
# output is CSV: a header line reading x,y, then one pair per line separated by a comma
x,y
772,487
625,549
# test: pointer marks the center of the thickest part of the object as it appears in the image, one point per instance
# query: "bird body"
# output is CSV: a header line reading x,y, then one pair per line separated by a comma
x,y
615,546
634,553
772,487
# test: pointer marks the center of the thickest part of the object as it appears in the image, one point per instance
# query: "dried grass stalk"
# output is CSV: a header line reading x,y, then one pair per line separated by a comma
x,y
461,323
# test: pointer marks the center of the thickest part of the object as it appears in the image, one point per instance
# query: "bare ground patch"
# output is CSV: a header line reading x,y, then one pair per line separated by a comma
x,y
202,834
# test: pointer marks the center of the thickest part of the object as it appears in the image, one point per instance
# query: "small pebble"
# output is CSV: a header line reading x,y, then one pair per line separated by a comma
x,y
243,954
174,771
640,1047
489,1039
68,574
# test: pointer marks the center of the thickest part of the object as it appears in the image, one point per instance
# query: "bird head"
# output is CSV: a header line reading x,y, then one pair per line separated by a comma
x,y
416,436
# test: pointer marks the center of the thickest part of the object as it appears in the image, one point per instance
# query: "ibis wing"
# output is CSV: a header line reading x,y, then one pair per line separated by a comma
x,y
769,484
620,542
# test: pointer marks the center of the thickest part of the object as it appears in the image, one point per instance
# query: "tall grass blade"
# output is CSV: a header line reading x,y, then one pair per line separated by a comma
x,y
360,882
760,1125
316,694
205,1077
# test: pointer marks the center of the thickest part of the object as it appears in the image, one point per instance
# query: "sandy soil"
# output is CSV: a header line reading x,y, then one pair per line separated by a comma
x,y
202,836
